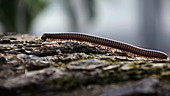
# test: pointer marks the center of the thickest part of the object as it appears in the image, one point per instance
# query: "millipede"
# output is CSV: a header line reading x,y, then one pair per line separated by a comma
x,y
107,42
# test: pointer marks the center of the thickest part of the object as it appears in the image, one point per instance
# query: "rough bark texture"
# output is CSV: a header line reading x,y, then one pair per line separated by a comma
x,y
30,66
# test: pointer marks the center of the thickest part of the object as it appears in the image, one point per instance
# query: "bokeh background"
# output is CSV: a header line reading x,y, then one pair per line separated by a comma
x,y
144,23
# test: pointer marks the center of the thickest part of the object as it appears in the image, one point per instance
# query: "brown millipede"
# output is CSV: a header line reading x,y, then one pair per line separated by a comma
x,y
107,42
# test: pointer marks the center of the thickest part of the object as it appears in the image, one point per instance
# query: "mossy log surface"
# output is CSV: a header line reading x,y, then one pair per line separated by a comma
x,y
31,66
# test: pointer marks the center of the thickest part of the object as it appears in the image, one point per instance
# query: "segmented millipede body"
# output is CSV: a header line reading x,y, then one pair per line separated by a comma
x,y
107,42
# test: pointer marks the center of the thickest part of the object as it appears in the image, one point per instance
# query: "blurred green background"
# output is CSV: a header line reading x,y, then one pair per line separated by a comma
x,y
13,10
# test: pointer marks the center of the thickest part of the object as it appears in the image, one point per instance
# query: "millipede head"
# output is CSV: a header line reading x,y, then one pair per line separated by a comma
x,y
43,37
